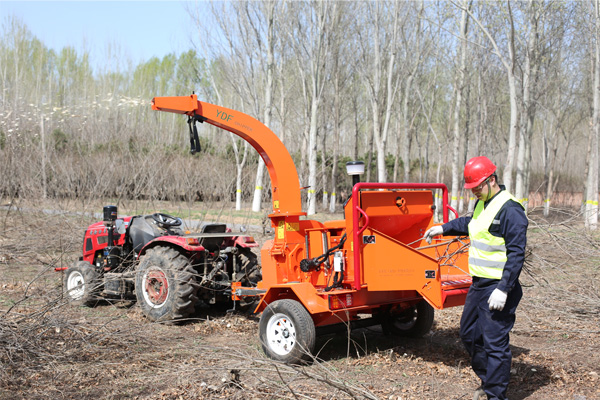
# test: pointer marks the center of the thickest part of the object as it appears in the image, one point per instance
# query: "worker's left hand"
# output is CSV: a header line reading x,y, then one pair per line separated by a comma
x,y
497,300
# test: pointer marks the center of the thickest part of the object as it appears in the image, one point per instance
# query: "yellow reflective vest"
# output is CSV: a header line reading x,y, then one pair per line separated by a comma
x,y
487,253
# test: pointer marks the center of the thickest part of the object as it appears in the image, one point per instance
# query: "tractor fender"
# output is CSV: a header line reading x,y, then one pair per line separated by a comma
x,y
245,241
178,242
304,292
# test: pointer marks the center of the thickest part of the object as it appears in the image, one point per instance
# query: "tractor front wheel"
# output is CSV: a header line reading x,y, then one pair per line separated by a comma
x,y
415,321
165,285
287,332
82,284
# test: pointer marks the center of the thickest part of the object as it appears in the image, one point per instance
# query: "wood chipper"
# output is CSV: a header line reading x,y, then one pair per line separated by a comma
x,y
372,267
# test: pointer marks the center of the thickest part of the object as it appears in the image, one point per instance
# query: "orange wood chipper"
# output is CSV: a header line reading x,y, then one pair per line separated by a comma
x,y
372,267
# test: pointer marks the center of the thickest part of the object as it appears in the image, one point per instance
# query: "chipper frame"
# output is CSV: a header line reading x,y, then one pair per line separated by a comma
x,y
373,267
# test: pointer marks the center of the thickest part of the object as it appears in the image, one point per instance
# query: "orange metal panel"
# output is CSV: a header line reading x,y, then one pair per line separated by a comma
x,y
391,265
179,104
302,291
403,215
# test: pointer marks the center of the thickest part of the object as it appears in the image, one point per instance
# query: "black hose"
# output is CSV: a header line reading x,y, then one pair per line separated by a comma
x,y
308,263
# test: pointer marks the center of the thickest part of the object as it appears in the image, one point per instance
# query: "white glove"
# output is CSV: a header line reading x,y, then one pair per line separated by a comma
x,y
433,231
497,300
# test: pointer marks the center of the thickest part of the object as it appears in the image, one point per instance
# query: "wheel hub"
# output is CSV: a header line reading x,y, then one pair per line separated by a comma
x,y
281,334
156,287
76,285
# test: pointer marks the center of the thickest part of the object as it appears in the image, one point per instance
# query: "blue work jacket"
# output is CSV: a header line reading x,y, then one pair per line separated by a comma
x,y
511,224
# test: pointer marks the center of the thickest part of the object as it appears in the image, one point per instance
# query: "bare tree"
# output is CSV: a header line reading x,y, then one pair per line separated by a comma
x,y
510,64
379,70
414,53
459,86
343,64
252,46
311,26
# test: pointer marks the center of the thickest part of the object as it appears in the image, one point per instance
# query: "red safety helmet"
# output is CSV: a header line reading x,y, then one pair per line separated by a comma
x,y
477,170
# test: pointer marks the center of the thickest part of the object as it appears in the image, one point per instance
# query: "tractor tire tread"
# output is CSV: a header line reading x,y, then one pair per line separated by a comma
x,y
250,267
182,285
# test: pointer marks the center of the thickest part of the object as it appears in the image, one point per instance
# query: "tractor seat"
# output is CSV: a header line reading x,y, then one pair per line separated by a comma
x,y
211,236
214,228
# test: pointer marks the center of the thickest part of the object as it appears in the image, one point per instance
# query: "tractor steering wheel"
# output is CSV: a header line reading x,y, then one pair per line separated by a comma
x,y
166,220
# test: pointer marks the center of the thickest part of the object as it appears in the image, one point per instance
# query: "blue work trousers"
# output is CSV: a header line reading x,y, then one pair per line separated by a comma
x,y
485,335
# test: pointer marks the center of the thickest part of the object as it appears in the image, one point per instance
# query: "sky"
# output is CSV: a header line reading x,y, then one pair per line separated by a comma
x,y
140,30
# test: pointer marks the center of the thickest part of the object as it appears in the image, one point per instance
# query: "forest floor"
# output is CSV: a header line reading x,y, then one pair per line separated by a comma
x,y
49,349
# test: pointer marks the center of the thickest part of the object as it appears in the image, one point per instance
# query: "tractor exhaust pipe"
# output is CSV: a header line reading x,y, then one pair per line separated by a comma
x,y
112,254
110,216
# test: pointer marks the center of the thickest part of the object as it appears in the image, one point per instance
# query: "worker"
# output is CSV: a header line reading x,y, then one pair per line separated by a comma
x,y
497,230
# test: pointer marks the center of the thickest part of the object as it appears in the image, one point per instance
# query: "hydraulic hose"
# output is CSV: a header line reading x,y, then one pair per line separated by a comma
x,y
313,263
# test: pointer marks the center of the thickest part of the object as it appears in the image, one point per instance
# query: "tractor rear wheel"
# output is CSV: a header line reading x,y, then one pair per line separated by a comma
x,y
249,267
287,332
415,321
250,274
82,284
165,285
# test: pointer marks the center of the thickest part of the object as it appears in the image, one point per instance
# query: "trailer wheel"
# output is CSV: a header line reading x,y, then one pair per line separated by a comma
x,y
165,285
413,322
82,284
287,332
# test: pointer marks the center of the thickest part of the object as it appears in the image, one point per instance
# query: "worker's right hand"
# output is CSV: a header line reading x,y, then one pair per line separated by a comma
x,y
433,231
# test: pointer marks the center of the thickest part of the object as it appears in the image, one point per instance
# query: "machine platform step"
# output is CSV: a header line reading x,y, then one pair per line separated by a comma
x,y
456,282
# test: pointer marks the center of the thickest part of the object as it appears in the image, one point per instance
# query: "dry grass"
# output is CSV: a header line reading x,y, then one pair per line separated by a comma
x,y
49,349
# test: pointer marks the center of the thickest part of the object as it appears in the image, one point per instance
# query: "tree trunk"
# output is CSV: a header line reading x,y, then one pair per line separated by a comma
x,y
336,137
591,203
529,108
405,130
44,158
514,110
268,102
459,84
324,157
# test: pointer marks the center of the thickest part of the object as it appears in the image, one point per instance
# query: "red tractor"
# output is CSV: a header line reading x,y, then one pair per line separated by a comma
x,y
151,259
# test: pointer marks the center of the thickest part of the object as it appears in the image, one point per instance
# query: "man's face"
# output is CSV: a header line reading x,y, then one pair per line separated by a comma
x,y
482,192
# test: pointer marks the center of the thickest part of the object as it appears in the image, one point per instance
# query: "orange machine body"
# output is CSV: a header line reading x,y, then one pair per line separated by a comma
x,y
384,260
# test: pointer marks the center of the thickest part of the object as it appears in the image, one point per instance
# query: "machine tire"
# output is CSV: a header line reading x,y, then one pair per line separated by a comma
x,y
249,267
165,285
414,322
287,332
82,284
